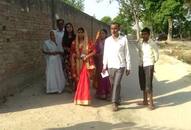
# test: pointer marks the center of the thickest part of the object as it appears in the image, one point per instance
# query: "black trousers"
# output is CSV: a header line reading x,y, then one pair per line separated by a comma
x,y
146,78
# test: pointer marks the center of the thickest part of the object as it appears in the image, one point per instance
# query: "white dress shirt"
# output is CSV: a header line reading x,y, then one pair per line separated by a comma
x,y
59,36
116,53
148,52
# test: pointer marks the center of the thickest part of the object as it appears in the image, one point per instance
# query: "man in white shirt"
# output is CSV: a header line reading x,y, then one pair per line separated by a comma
x,y
116,58
148,56
59,32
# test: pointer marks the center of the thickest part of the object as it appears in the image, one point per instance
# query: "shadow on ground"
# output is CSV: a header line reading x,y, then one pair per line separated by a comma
x,y
97,125
174,98
35,97
162,89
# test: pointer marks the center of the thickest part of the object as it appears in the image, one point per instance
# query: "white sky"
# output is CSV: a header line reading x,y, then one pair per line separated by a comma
x,y
101,9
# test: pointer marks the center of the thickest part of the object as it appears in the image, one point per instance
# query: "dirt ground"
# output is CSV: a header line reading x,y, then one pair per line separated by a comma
x,y
181,50
32,109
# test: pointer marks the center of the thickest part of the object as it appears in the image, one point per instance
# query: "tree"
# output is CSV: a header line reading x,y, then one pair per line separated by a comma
x,y
172,17
131,9
78,4
160,15
188,2
126,23
106,19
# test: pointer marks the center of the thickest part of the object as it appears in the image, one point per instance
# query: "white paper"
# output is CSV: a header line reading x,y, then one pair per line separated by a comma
x,y
106,74
82,55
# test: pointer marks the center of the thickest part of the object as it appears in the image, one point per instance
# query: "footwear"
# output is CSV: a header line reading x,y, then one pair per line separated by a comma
x,y
114,107
101,97
142,103
68,89
118,103
151,107
108,98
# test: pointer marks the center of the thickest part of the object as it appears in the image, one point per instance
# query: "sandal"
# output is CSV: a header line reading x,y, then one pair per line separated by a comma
x,y
151,107
142,103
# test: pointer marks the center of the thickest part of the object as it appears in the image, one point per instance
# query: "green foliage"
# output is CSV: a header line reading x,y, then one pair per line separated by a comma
x,y
78,4
106,19
155,13
126,24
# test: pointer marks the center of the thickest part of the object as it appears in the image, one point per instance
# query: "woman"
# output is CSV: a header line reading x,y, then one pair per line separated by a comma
x,y
103,88
55,79
82,64
69,37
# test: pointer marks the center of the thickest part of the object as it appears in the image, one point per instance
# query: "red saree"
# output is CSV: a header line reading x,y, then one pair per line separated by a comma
x,y
82,94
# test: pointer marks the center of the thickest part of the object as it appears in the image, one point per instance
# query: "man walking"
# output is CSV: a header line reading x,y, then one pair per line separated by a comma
x,y
148,53
116,58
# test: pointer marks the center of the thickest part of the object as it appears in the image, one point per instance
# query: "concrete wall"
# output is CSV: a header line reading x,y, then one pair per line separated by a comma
x,y
24,25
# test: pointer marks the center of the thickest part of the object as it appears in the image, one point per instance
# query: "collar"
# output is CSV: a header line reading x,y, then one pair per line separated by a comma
x,y
119,37
149,41
57,30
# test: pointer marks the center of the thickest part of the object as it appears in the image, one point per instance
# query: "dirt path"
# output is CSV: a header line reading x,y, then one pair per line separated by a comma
x,y
32,109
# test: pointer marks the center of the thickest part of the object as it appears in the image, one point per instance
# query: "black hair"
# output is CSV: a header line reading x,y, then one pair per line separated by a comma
x,y
66,29
58,20
104,30
66,41
115,23
81,29
147,30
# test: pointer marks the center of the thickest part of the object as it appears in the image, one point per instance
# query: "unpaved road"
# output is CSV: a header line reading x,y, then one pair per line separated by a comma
x,y
32,109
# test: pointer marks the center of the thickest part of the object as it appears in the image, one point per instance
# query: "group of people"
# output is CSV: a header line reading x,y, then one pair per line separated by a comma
x,y
73,61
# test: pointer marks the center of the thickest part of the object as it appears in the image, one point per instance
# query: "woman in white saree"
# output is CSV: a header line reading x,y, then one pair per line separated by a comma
x,y
55,80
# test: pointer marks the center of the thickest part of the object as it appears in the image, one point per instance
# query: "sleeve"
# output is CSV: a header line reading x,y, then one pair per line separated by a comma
x,y
45,47
72,58
155,52
127,55
96,47
73,47
105,55
92,47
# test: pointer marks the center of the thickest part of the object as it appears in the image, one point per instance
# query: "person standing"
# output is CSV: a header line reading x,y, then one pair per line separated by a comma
x,y
69,37
103,88
82,64
148,55
55,80
116,58
59,32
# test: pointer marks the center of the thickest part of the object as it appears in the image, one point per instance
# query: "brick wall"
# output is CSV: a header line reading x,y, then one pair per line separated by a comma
x,y
24,25
78,19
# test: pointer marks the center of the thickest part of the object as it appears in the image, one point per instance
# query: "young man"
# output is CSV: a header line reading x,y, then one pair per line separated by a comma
x,y
59,32
116,58
148,54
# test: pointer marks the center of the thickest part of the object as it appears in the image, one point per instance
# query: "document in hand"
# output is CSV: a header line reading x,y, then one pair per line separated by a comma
x,y
106,74
82,55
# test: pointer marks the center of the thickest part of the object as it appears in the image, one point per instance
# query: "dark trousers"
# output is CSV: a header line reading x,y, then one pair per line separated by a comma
x,y
146,78
115,76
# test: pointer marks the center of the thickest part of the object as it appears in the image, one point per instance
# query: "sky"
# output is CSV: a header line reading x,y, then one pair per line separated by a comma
x,y
101,9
